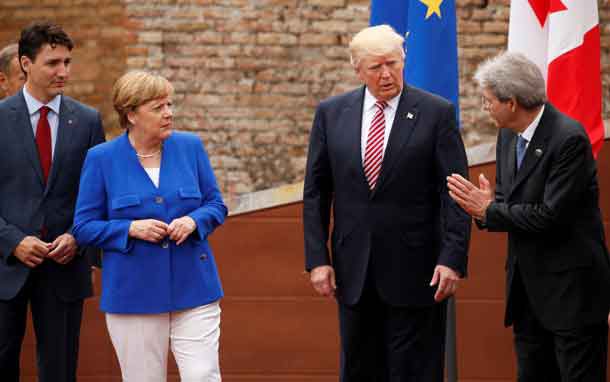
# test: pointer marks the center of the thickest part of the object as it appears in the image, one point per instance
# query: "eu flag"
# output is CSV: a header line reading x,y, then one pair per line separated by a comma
x,y
429,29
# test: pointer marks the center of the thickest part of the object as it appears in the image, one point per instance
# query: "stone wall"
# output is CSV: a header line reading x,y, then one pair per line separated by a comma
x,y
249,73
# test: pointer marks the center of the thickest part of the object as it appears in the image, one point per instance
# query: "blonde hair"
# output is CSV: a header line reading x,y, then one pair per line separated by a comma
x,y
375,41
136,88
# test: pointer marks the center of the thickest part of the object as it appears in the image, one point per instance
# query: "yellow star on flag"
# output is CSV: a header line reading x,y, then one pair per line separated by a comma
x,y
434,6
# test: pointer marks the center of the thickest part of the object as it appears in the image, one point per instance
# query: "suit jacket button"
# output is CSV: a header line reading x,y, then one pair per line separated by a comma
x,y
165,245
158,199
203,257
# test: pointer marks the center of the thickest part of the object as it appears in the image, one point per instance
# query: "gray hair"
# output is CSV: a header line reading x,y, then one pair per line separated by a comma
x,y
377,40
512,75
6,55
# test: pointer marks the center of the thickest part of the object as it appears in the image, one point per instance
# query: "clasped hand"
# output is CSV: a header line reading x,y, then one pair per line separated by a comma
x,y
154,231
32,251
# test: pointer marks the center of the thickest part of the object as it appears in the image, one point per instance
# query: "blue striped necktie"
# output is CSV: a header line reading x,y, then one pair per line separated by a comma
x,y
521,146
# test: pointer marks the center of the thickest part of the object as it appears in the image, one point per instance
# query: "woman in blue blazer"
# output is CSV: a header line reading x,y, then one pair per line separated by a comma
x,y
149,199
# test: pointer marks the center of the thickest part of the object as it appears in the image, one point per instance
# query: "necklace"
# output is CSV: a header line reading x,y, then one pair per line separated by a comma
x,y
149,155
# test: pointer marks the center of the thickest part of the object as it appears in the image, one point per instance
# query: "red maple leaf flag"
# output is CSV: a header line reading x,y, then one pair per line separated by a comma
x,y
562,38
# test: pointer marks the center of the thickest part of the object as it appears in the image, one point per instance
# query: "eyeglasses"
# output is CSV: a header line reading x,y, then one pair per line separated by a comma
x,y
486,102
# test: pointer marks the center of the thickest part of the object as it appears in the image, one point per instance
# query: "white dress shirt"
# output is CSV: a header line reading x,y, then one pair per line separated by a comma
x,y
53,117
153,174
368,112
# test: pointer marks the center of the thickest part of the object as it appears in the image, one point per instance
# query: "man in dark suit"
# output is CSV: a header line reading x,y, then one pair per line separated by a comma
x,y
45,136
546,198
379,155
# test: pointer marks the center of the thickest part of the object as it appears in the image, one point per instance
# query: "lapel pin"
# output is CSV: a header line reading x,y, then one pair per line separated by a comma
x,y
410,116
538,152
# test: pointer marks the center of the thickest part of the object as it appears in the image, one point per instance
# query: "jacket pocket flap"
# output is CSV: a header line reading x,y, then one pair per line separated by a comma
x,y
189,193
125,201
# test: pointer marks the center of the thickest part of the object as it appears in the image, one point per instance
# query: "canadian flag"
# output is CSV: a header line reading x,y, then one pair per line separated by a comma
x,y
562,38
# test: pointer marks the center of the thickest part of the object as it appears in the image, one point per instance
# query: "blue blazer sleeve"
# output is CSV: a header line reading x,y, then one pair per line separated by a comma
x,y
97,136
91,224
213,211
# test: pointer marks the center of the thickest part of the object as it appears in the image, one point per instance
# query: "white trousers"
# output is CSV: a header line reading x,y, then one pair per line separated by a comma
x,y
141,343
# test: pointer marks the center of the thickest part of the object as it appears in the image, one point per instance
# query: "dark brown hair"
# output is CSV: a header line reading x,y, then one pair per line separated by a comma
x,y
39,33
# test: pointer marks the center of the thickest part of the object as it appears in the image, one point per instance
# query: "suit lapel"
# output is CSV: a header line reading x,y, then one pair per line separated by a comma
x,y
134,168
351,122
535,150
402,127
23,129
510,167
168,164
65,128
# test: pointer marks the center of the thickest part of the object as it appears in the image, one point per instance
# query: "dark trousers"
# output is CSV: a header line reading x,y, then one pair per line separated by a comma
x,y
575,355
384,343
56,325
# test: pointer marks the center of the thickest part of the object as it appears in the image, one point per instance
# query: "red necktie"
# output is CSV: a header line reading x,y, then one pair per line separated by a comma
x,y
43,141
373,154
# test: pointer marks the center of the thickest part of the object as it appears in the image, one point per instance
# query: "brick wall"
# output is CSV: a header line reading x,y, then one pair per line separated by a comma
x,y
99,29
249,73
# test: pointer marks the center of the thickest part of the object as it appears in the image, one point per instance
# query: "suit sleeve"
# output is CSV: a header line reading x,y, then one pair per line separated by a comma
x,y
213,211
456,223
96,137
10,237
567,178
91,224
317,196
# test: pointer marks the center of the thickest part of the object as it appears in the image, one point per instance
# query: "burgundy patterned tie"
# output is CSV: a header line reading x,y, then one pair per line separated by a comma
x,y
373,154
43,141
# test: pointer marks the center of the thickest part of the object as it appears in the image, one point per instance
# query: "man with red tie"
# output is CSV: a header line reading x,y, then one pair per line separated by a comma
x,y
379,155
45,136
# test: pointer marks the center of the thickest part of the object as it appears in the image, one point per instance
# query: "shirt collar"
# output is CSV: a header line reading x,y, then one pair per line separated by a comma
x,y
34,105
370,100
528,133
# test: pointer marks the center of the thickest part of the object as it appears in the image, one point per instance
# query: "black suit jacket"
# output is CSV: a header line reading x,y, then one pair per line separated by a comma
x,y
26,204
555,234
408,224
